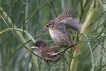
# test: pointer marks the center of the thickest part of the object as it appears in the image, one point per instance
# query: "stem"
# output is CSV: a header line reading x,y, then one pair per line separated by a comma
x,y
91,16
89,45
16,29
17,33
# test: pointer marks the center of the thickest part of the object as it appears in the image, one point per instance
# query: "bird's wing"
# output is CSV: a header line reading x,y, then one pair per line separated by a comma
x,y
57,53
72,23
69,19
68,13
48,51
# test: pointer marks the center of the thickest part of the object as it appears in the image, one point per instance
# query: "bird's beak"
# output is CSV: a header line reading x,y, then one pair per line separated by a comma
x,y
34,47
43,29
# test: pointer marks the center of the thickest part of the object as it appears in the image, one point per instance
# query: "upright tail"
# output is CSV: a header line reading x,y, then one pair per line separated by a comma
x,y
76,48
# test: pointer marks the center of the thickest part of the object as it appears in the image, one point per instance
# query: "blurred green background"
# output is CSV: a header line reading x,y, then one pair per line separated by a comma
x,y
22,20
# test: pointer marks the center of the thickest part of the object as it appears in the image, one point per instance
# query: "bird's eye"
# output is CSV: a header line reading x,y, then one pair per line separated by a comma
x,y
47,25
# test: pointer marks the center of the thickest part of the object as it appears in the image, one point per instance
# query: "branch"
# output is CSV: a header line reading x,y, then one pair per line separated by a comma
x,y
91,16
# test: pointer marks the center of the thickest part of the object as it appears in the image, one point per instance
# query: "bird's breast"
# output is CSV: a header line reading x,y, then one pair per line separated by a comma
x,y
60,38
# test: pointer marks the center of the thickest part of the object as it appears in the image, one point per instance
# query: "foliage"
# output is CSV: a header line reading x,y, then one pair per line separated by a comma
x,y
20,25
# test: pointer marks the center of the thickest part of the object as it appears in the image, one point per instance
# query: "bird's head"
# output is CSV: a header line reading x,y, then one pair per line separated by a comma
x,y
39,44
49,25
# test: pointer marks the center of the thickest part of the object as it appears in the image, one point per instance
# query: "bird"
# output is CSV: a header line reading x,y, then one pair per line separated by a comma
x,y
58,28
46,52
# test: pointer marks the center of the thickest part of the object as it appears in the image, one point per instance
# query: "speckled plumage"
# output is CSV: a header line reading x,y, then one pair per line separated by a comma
x,y
59,26
46,52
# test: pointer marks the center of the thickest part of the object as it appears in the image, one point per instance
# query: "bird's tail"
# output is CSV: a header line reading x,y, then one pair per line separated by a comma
x,y
76,48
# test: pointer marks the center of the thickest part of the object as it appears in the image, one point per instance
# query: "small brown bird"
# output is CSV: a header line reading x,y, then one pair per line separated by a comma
x,y
47,53
58,28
